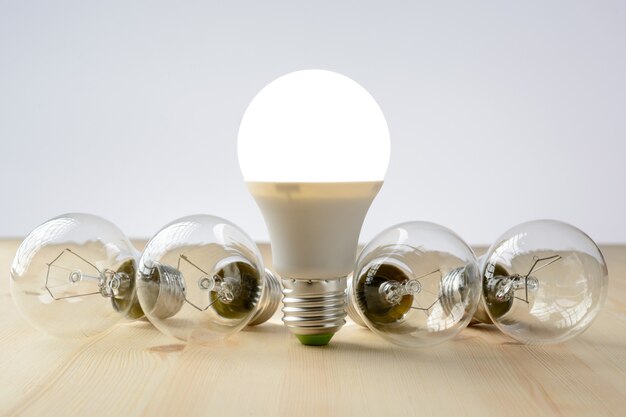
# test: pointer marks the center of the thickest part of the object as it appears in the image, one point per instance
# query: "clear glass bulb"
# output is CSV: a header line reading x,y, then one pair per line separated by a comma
x,y
201,278
313,148
74,276
415,284
543,282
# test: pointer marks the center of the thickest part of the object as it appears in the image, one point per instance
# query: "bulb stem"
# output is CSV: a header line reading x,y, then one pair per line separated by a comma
x,y
393,291
503,287
500,290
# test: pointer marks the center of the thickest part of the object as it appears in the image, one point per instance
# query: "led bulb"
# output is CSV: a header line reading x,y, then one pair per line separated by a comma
x,y
543,282
313,148
415,284
201,278
74,276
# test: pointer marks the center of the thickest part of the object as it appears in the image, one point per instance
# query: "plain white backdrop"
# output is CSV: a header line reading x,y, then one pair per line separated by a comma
x,y
499,112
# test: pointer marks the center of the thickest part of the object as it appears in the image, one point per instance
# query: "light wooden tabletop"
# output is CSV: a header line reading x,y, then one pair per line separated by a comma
x,y
135,370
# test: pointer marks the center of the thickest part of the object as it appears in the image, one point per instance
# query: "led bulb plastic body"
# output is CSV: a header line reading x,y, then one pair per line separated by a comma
x,y
314,227
74,276
201,278
415,284
314,148
543,282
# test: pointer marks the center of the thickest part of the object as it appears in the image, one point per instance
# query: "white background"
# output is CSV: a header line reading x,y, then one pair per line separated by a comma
x,y
500,112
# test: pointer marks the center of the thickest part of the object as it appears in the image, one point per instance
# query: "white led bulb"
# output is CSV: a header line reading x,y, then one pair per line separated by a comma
x,y
314,148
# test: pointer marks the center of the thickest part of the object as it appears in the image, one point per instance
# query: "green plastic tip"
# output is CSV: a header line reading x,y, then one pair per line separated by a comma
x,y
315,339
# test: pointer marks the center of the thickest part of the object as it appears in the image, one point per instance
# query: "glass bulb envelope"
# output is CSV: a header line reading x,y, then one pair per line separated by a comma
x,y
415,284
543,282
74,276
201,278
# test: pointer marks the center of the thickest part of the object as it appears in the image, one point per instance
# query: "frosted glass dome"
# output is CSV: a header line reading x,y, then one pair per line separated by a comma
x,y
313,126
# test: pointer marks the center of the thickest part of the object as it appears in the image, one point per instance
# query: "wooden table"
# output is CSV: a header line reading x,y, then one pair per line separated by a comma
x,y
135,370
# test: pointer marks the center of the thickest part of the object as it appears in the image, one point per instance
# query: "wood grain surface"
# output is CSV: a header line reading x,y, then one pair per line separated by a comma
x,y
135,370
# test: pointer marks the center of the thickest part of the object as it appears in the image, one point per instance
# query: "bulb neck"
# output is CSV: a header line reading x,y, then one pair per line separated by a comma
x,y
314,310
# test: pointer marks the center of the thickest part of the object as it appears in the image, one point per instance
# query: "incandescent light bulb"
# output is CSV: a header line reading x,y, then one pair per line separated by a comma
x,y
415,284
201,278
74,276
313,148
543,282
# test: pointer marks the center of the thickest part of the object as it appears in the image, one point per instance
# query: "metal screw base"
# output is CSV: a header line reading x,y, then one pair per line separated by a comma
x,y
454,282
351,307
171,291
314,307
268,304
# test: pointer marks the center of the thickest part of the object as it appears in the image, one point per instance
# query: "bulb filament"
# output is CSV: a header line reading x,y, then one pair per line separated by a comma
x,y
393,291
109,282
226,288
504,287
